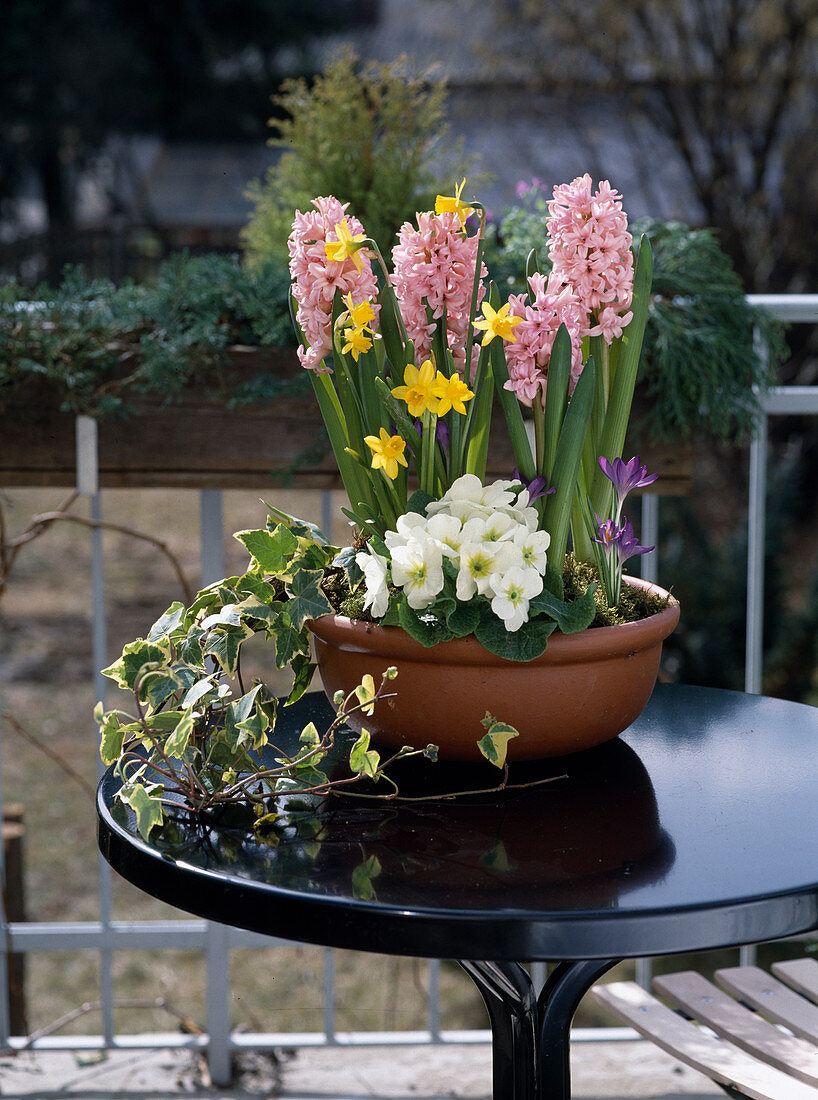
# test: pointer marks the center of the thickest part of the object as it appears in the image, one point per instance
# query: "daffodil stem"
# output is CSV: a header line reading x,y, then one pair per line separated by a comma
x,y
538,409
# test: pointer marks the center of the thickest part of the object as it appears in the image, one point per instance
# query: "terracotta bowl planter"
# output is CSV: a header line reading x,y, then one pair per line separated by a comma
x,y
585,689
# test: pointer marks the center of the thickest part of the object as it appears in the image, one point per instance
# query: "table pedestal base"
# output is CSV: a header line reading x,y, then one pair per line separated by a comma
x,y
531,1035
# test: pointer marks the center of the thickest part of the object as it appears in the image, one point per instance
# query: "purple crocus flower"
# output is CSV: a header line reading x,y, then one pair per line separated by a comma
x,y
537,487
626,476
441,432
620,540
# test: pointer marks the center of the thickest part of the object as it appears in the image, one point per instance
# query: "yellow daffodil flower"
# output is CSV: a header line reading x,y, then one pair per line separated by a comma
x,y
347,246
360,315
357,340
445,204
451,393
497,323
387,452
418,390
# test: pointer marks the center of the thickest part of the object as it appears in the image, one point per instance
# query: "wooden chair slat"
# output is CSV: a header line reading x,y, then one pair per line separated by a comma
x,y
718,1059
775,1000
801,975
709,1005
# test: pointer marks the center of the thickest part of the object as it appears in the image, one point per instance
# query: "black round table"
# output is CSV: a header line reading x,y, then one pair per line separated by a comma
x,y
692,830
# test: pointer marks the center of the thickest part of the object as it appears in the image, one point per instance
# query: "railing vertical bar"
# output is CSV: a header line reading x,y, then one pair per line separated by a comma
x,y
756,533
747,954
644,972
217,955
433,1000
328,994
649,536
326,513
5,1004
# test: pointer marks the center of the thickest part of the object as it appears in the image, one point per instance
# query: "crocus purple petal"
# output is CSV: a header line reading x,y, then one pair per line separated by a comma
x,y
537,487
626,475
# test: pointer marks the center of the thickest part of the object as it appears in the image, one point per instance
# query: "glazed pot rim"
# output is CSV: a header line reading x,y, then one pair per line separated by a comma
x,y
592,643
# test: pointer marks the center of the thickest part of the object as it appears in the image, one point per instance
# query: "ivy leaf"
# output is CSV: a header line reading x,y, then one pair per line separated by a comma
x,y
345,560
362,759
135,656
362,877
570,617
303,670
494,744
225,646
525,644
176,743
197,691
255,726
167,623
288,640
112,734
310,735
301,527
365,692
308,601
146,804
272,550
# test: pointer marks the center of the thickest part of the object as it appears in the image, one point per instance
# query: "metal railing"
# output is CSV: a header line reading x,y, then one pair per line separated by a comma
x,y
107,935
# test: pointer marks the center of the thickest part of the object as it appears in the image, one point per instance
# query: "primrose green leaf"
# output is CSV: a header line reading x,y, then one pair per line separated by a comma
x,y
273,550
146,804
362,877
167,623
494,744
112,734
525,644
417,502
570,617
176,744
423,626
362,759
308,601
463,619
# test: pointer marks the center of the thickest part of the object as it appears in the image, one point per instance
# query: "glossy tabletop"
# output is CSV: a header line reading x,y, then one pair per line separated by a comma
x,y
694,829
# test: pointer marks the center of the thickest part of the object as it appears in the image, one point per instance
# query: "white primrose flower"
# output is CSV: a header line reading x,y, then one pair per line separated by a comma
x,y
478,561
512,592
447,532
410,526
532,546
500,527
374,567
497,494
417,568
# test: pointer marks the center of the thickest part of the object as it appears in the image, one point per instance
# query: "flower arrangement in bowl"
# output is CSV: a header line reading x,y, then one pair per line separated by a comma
x,y
458,598
407,365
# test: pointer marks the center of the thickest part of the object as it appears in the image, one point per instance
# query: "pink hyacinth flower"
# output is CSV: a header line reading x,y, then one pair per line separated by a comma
x,y
316,278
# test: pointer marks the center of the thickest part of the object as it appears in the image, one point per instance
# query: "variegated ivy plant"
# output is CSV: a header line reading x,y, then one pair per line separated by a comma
x,y
196,730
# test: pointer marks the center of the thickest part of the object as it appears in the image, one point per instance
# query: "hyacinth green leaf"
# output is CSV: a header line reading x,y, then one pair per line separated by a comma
x,y
570,617
517,645
167,623
177,742
272,550
612,439
112,735
520,445
566,464
532,266
362,759
494,744
355,480
478,425
556,401
307,601
362,877
136,656
146,804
